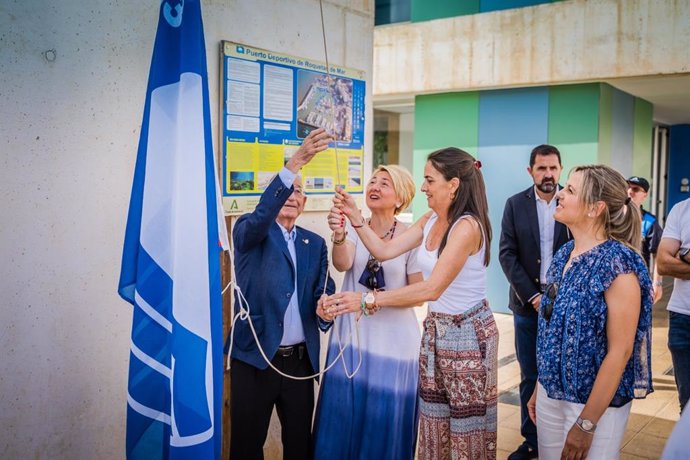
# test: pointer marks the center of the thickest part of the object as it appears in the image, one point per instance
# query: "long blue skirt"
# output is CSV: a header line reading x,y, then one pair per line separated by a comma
x,y
374,414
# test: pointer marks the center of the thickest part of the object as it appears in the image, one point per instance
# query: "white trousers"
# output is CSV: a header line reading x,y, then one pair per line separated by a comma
x,y
555,419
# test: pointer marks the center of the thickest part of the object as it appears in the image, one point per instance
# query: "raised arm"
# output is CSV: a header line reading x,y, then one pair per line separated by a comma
x,y
382,250
465,239
623,300
343,253
252,228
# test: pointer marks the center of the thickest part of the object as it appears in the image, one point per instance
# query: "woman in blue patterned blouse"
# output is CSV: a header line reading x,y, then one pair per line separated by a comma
x,y
593,345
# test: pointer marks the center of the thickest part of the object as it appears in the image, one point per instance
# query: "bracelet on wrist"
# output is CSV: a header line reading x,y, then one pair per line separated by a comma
x,y
360,225
363,304
340,241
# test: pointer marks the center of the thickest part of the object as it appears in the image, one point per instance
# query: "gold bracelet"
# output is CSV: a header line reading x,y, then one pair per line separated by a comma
x,y
338,242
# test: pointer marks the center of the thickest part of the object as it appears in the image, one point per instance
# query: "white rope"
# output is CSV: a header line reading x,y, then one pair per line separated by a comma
x,y
330,93
338,182
243,314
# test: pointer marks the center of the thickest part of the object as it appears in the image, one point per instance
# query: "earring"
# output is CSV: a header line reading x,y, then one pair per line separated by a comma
x,y
397,205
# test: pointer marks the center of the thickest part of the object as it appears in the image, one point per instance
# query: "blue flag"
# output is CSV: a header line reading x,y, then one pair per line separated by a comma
x,y
170,262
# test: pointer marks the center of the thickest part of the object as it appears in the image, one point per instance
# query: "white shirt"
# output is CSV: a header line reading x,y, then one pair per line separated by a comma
x,y
293,330
678,228
469,286
546,228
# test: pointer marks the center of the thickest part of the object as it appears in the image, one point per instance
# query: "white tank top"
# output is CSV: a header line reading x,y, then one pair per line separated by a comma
x,y
469,286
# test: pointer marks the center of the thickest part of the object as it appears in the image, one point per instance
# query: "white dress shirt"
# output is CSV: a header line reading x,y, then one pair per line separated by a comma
x,y
546,228
293,330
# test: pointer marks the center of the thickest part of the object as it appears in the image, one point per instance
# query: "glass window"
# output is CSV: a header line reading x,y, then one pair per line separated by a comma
x,y
394,138
392,11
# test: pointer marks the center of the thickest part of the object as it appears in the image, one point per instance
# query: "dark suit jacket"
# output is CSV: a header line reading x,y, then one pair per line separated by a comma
x,y
520,249
266,276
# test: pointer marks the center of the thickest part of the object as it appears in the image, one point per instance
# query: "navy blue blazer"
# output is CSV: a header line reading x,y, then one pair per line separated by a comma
x,y
266,276
520,249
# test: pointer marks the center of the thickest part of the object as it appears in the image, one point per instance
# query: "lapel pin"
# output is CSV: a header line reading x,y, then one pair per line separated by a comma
x,y
306,241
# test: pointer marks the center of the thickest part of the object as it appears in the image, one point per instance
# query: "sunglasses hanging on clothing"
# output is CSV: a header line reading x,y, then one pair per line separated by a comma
x,y
372,277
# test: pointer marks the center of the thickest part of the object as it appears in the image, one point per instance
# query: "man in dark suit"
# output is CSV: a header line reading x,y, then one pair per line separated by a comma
x,y
281,270
529,238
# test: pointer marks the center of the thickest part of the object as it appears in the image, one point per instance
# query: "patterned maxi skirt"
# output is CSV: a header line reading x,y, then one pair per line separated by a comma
x,y
458,385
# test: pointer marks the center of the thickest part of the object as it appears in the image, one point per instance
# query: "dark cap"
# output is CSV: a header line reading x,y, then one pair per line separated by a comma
x,y
640,182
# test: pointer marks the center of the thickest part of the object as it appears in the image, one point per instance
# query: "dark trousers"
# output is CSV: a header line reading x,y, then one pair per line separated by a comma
x,y
254,393
679,345
526,353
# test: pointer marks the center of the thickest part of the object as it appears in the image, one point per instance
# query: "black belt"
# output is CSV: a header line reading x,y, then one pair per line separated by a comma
x,y
286,352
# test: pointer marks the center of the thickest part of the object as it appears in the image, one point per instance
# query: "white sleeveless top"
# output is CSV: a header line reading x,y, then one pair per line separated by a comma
x,y
469,286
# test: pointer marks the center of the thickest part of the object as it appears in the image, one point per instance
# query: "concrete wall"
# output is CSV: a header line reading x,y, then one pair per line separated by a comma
x,y
69,128
562,42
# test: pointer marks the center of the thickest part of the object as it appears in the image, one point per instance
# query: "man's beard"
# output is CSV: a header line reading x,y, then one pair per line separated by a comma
x,y
547,186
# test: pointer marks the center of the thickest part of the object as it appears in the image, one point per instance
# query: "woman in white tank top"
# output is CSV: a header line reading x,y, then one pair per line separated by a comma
x,y
457,382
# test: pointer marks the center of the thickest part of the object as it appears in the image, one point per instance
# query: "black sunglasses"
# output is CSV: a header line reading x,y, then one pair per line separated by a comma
x,y
550,294
372,276
373,266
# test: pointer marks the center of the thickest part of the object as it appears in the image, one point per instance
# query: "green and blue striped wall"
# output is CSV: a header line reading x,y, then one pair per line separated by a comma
x,y
589,123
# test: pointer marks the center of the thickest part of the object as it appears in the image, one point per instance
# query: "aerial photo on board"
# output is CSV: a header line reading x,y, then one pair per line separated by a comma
x,y
321,108
241,180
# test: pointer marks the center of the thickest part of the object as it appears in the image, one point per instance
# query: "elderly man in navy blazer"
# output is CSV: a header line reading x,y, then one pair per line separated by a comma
x,y
281,270
529,238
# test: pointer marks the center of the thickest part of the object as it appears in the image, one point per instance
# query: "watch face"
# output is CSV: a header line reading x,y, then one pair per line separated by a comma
x,y
370,298
683,252
587,425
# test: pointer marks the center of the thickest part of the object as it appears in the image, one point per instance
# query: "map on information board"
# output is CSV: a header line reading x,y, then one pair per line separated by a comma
x,y
271,102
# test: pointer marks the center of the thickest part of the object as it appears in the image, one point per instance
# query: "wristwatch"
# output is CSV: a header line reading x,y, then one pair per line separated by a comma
x,y
370,300
585,425
683,255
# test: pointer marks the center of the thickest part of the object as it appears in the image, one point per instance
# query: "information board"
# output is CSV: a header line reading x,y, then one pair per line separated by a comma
x,y
271,101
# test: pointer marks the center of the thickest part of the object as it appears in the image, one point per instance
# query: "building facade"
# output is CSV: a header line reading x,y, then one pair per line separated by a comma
x,y
606,81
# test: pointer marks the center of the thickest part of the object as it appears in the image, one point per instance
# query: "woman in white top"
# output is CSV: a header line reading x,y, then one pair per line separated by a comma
x,y
382,361
457,361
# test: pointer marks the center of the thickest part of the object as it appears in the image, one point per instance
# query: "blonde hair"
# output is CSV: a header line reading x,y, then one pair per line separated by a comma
x,y
403,184
621,219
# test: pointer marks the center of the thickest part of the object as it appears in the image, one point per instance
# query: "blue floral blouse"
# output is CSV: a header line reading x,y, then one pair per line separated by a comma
x,y
572,344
